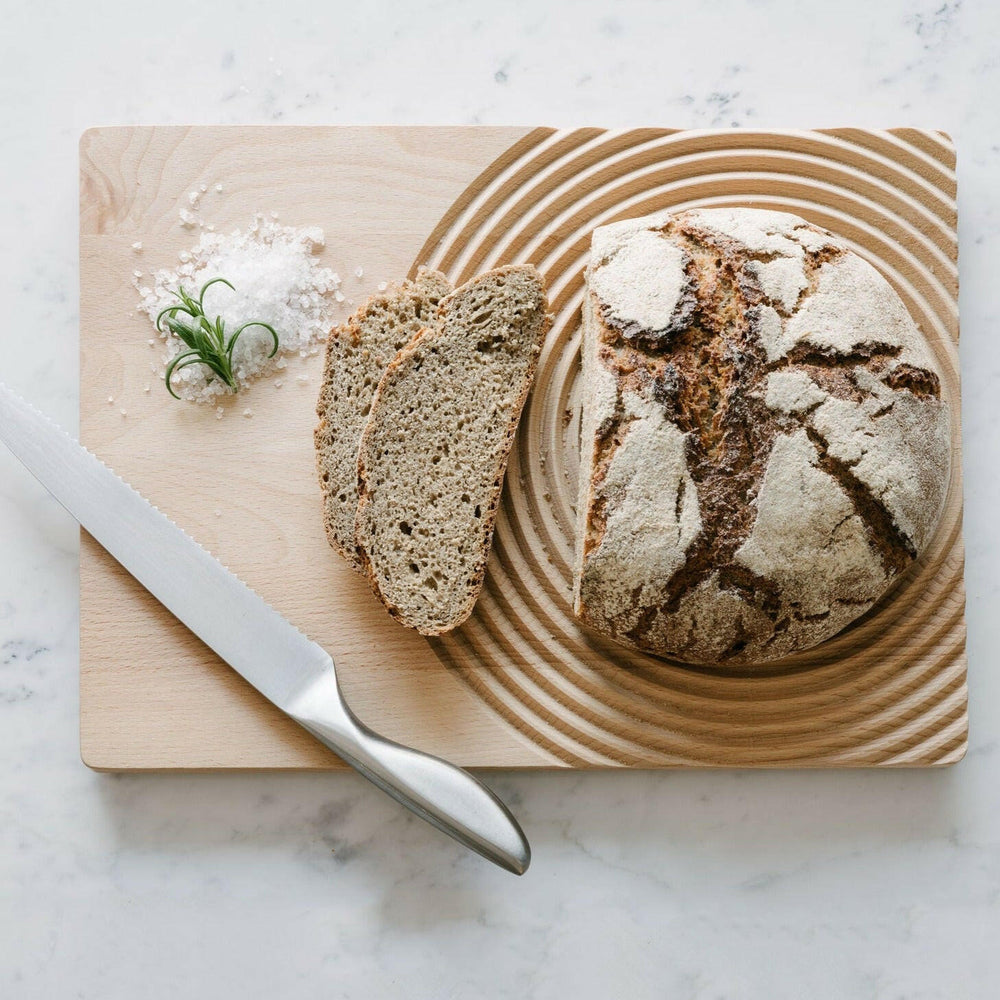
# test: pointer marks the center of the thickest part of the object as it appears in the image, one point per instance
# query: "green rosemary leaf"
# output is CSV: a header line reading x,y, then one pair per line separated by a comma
x,y
206,340
181,330
180,361
171,313
206,286
266,326
219,332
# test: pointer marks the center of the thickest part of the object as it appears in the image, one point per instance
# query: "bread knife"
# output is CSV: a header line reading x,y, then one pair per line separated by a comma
x,y
285,666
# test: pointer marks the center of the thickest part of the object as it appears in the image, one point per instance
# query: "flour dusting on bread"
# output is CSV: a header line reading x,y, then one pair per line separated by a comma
x,y
765,442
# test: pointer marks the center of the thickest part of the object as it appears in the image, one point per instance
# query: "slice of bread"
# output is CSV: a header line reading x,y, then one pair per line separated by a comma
x,y
357,355
434,452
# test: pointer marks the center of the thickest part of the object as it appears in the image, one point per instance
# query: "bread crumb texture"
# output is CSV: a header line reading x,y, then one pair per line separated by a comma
x,y
434,451
765,443
357,355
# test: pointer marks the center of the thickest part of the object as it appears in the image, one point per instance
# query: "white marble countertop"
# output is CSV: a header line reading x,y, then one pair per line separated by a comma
x,y
684,885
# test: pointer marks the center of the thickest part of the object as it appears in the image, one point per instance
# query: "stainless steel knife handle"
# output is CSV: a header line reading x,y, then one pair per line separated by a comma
x,y
441,793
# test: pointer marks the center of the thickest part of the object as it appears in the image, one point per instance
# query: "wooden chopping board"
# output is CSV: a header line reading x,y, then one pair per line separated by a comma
x,y
520,685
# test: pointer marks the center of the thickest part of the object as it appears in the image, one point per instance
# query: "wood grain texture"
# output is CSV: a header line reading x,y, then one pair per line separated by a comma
x,y
521,684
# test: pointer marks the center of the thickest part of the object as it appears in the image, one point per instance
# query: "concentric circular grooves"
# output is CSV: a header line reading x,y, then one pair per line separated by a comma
x,y
889,690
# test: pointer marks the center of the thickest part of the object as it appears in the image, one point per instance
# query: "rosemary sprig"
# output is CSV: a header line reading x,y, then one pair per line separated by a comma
x,y
206,341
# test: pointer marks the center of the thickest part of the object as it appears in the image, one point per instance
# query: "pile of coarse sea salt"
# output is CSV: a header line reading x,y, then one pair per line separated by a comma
x,y
277,279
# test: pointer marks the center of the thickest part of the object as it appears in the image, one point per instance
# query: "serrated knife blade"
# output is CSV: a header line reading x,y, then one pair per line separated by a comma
x,y
286,667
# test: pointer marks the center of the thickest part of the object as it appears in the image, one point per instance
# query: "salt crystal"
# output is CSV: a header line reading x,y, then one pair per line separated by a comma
x,y
188,219
218,513
203,188
184,256
124,413
274,215
111,399
151,342
248,412
302,379
137,246
278,280
278,384
193,197
359,272
335,278
218,187
338,295
146,389
137,274
383,285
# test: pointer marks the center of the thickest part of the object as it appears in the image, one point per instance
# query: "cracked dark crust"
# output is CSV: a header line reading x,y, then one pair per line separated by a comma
x,y
710,377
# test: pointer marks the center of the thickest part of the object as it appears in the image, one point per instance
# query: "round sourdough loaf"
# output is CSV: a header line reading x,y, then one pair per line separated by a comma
x,y
765,443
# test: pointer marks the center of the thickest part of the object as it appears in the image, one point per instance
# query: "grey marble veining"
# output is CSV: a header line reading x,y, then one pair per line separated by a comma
x,y
687,885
